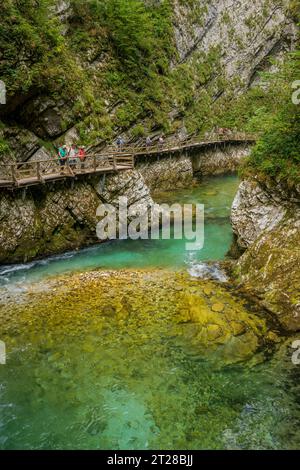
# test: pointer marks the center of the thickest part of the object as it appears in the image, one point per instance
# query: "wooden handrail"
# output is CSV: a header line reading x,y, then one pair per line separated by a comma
x,y
169,145
41,171
20,174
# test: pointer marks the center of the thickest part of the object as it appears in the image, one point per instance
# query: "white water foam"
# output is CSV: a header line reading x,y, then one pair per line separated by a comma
x,y
207,271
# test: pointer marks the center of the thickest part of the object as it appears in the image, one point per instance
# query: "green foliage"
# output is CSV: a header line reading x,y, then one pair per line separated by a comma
x,y
136,39
138,131
294,8
4,147
33,50
277,154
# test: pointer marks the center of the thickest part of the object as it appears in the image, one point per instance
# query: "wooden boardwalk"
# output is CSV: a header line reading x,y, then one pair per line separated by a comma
x,y
175,146
24,174
112,159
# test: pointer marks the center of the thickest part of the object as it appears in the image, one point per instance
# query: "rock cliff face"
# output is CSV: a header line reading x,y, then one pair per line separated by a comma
x,y
167,173
179,171
266,221
220,160
246,32
63,217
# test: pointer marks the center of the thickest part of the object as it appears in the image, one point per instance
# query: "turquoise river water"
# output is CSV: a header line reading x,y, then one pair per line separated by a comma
x,y
143,389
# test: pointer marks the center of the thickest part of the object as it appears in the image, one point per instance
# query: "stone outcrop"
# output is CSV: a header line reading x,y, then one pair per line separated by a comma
x,y
167,173
247,33
219,160
266,221
22,142
45,117
62,217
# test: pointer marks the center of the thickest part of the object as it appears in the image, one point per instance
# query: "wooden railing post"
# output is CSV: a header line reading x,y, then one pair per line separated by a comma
x,y
38,171
14,173
114,163
94,162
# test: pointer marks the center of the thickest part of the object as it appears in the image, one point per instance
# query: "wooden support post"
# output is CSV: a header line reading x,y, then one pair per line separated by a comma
x,y
102,184
24,194
114,163
14,174
38,172
69,168
94,162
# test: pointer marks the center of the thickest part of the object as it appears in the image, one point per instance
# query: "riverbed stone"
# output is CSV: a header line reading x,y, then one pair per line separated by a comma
x,y
217,307
80,308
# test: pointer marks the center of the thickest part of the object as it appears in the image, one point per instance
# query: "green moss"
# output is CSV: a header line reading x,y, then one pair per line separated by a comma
x,y
4,147
232,333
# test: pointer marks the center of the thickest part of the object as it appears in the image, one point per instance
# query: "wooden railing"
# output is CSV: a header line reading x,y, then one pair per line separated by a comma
x,y
173,145
112,158
29,173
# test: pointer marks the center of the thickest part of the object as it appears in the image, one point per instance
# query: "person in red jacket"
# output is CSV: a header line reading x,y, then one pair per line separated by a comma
x,y
82,156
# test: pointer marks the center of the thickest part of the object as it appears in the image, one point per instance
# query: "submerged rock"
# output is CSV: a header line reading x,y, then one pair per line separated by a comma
x,y
208,271
161,304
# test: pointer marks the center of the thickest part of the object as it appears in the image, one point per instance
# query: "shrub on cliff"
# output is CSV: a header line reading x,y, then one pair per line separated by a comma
x,y
277,153
34,53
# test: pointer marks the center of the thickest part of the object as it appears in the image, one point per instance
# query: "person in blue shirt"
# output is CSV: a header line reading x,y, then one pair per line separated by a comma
x,y
62,156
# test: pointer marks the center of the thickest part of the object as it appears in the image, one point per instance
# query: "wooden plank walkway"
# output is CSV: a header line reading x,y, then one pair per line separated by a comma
x,y
30,173
24,174
173,146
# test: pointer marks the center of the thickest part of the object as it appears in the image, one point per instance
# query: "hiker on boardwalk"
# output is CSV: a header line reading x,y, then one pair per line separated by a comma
x,y
160,141
73,156
148,141
62,156
82,156
120,142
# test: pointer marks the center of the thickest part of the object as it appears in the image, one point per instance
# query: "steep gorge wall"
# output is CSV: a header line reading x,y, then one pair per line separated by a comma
x,y
247,32
266,221
174,171
167,173
61,217
220,160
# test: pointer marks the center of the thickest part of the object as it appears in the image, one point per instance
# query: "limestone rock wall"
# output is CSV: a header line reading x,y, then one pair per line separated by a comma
x,y
247,32
167,173
220,160
266,221
53,219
